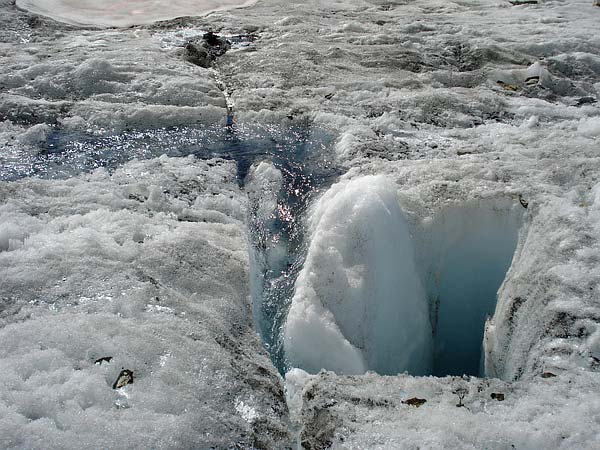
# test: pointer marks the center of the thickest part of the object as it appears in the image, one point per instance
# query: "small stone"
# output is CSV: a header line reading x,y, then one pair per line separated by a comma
x,y
217,45
415,401
532,81
197,54
548,375
497,396
586,100
124,378
104,359
507,86
211,38
523,202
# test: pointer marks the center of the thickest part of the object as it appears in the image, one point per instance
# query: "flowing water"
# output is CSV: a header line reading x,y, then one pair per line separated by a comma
x,y
299,153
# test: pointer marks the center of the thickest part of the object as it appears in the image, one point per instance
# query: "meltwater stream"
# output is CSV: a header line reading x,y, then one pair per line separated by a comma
x,y
300,154
67,153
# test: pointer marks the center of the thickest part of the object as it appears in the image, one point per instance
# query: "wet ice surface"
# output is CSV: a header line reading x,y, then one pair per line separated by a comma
x,y
301,154
123,13
61,153
279,202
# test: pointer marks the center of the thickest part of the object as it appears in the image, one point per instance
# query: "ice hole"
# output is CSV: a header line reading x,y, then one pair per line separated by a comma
x,y
465,253
383,290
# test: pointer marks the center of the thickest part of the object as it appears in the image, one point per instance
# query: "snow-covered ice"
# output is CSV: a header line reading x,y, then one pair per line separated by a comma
x,y
147,266
465,137
123,13
348,412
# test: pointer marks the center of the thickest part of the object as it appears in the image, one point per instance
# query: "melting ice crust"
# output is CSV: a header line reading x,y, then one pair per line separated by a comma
x,y
458,107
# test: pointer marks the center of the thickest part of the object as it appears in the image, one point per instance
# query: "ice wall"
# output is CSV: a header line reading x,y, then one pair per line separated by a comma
x,y
359,303
123,13
547,314
371,295
267,251
464,252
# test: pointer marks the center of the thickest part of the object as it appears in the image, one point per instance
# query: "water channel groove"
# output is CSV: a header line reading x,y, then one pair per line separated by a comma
x,y
461,263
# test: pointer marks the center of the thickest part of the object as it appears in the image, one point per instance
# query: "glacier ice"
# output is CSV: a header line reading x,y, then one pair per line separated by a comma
x,y
147,265
124,13
467,250
378,294
439,98
263,185
280,190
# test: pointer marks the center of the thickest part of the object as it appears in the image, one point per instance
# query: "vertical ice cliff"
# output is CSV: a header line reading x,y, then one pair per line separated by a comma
x,y
547,314
359,303
464,251
267,252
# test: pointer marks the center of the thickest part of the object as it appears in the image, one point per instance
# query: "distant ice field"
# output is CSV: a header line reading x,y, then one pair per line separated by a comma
x,y
123,13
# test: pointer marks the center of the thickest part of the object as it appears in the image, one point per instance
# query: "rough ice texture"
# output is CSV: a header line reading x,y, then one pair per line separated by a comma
x,y
124,13
431,94
345,412
148,266
358,301
262,185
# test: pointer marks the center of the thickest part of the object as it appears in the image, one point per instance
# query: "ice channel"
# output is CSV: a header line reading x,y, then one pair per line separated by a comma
x,y
374,290
66,153
282,169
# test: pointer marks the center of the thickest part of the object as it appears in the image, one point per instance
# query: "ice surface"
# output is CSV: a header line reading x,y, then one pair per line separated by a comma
x,y
124,13
104,83
368,412
432,95
148,266
358,302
